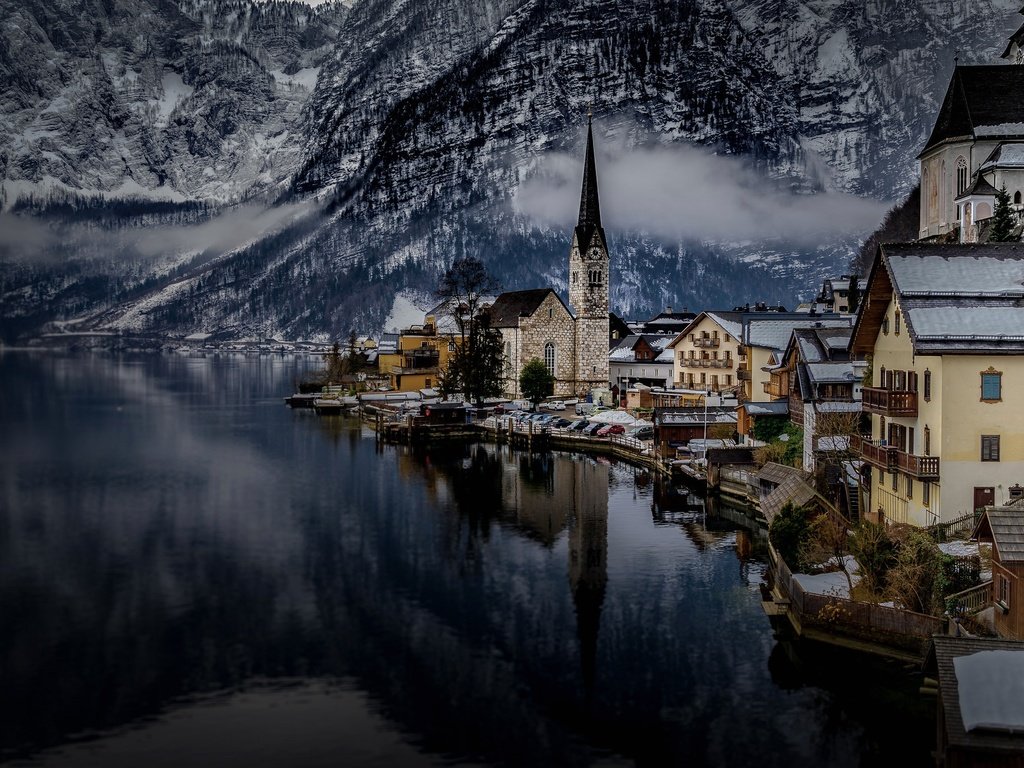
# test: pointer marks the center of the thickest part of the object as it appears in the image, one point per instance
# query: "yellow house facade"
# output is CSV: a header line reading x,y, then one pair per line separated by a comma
x,y
420,358
944,338
705,355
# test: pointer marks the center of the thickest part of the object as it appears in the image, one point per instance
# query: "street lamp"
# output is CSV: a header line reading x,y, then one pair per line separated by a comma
x,y
707,394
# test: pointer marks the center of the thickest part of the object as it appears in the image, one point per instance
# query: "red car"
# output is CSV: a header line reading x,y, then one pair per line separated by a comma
x,y
611,429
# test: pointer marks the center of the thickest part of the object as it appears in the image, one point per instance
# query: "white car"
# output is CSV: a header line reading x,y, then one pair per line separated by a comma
x,y
553,405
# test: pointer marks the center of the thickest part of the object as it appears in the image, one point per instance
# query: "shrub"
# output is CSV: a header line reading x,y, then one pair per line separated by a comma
x,y
789,533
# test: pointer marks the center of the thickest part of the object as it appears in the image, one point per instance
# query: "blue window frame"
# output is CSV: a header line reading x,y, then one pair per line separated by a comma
x,y
991,386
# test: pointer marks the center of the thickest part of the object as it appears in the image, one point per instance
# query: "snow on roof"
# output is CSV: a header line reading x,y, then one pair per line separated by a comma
x,y
1001,129
952,322
991,690
809,350
837,406
773,408
774,334
923,273
1009,154
731,327
824,373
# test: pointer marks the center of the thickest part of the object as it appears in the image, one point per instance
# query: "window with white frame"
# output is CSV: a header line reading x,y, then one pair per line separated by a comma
x,y
549,357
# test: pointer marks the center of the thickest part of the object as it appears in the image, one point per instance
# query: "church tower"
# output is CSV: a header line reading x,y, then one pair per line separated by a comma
x,y
588,281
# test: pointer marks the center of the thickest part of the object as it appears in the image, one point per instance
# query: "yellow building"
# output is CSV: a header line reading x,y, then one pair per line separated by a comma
x,y
420,357
943,329
705,355
721,351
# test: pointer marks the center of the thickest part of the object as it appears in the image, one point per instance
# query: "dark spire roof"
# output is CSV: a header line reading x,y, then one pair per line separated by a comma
x,y
984,99
590,208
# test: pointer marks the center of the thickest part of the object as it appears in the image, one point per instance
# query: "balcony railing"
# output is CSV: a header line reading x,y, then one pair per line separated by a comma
x,y
709,342
888,402
743,374
775,389
890,459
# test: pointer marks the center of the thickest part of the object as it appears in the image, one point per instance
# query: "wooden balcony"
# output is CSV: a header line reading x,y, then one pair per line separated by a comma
x,y
895,460
776,388
743,374
706,343
888,402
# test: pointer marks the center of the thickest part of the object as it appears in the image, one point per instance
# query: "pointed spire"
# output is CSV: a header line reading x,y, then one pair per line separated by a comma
x,y
590,209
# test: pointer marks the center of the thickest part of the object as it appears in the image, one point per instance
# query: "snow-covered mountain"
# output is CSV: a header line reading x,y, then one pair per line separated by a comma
x,y
391,136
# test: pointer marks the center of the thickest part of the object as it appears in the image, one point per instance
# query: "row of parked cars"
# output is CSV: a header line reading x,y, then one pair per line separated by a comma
x,y
582,426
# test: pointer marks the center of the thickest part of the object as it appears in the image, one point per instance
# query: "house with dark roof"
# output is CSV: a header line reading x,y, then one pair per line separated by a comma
x,y
536,324
821,385
976,147
980,710
943,328
1003,527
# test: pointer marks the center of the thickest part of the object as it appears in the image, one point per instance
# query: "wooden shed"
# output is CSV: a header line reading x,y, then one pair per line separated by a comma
x,y
1004,528
959,742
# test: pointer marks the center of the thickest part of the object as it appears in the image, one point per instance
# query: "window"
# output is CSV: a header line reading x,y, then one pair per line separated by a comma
x,y
990,447
451,346
927,384
961,174
551,313
896,328
881,376
885,326
991,385
910,487
426,383
1016,197
549,357
1004,590
575,276
927,441
895,478
926,493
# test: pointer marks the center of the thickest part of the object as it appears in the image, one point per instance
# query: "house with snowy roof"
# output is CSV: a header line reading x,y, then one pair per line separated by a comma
x,y
942,327
822,387
640,359
975,148
705,354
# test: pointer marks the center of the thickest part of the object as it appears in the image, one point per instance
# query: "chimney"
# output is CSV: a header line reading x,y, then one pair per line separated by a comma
x,y
668,310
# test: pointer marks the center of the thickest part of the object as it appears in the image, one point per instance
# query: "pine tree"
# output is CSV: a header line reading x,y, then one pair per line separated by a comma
x,y
1003,219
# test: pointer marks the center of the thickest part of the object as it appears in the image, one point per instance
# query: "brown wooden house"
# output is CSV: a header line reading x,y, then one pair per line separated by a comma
x,y
1004,528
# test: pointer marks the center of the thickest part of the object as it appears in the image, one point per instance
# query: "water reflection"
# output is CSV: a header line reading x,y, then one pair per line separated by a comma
x,y
168,529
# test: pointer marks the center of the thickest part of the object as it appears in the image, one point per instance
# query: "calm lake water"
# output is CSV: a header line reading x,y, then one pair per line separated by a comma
x,y
191,573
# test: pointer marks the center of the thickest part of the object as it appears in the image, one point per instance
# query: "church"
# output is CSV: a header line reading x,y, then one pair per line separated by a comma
x,y
975,149
572,341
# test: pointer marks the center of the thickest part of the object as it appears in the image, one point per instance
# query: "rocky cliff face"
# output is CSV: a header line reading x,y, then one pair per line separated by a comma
x,y
200,99
430,129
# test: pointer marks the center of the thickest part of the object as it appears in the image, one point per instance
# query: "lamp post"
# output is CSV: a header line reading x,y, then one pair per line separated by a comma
x,y
707,394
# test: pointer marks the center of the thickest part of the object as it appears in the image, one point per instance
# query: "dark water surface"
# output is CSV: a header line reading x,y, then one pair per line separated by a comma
x,y
192,574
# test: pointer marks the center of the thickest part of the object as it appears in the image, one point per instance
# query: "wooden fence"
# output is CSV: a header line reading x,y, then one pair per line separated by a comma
x,y
964,524
970,600
905,631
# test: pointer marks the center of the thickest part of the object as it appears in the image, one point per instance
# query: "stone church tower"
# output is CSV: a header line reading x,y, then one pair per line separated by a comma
x,y
588,281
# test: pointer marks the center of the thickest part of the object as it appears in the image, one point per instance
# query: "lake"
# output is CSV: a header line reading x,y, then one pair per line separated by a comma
x,y
191,573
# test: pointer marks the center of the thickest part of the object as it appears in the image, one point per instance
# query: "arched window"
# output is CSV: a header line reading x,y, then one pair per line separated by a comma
x,y
508,358
1016,197
549,357
961,174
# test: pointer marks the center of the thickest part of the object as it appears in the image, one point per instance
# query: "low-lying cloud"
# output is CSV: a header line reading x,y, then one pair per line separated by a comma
x,y
28,238
688,193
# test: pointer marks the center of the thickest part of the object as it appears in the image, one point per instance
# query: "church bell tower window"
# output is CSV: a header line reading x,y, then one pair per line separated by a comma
x,y
961,174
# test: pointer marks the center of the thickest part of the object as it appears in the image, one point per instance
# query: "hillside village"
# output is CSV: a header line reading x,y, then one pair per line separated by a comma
x,y
888,399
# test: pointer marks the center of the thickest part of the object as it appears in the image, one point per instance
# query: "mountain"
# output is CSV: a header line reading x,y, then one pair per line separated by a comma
x,y
736,135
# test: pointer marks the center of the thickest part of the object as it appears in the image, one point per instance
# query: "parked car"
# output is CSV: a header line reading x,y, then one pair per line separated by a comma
x,y
591,429
560,423
579,425
553,405
584,409
643,432
611,429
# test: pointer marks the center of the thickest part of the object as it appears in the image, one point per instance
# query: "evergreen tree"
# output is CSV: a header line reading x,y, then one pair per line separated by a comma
x,y
1002,219
536,381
